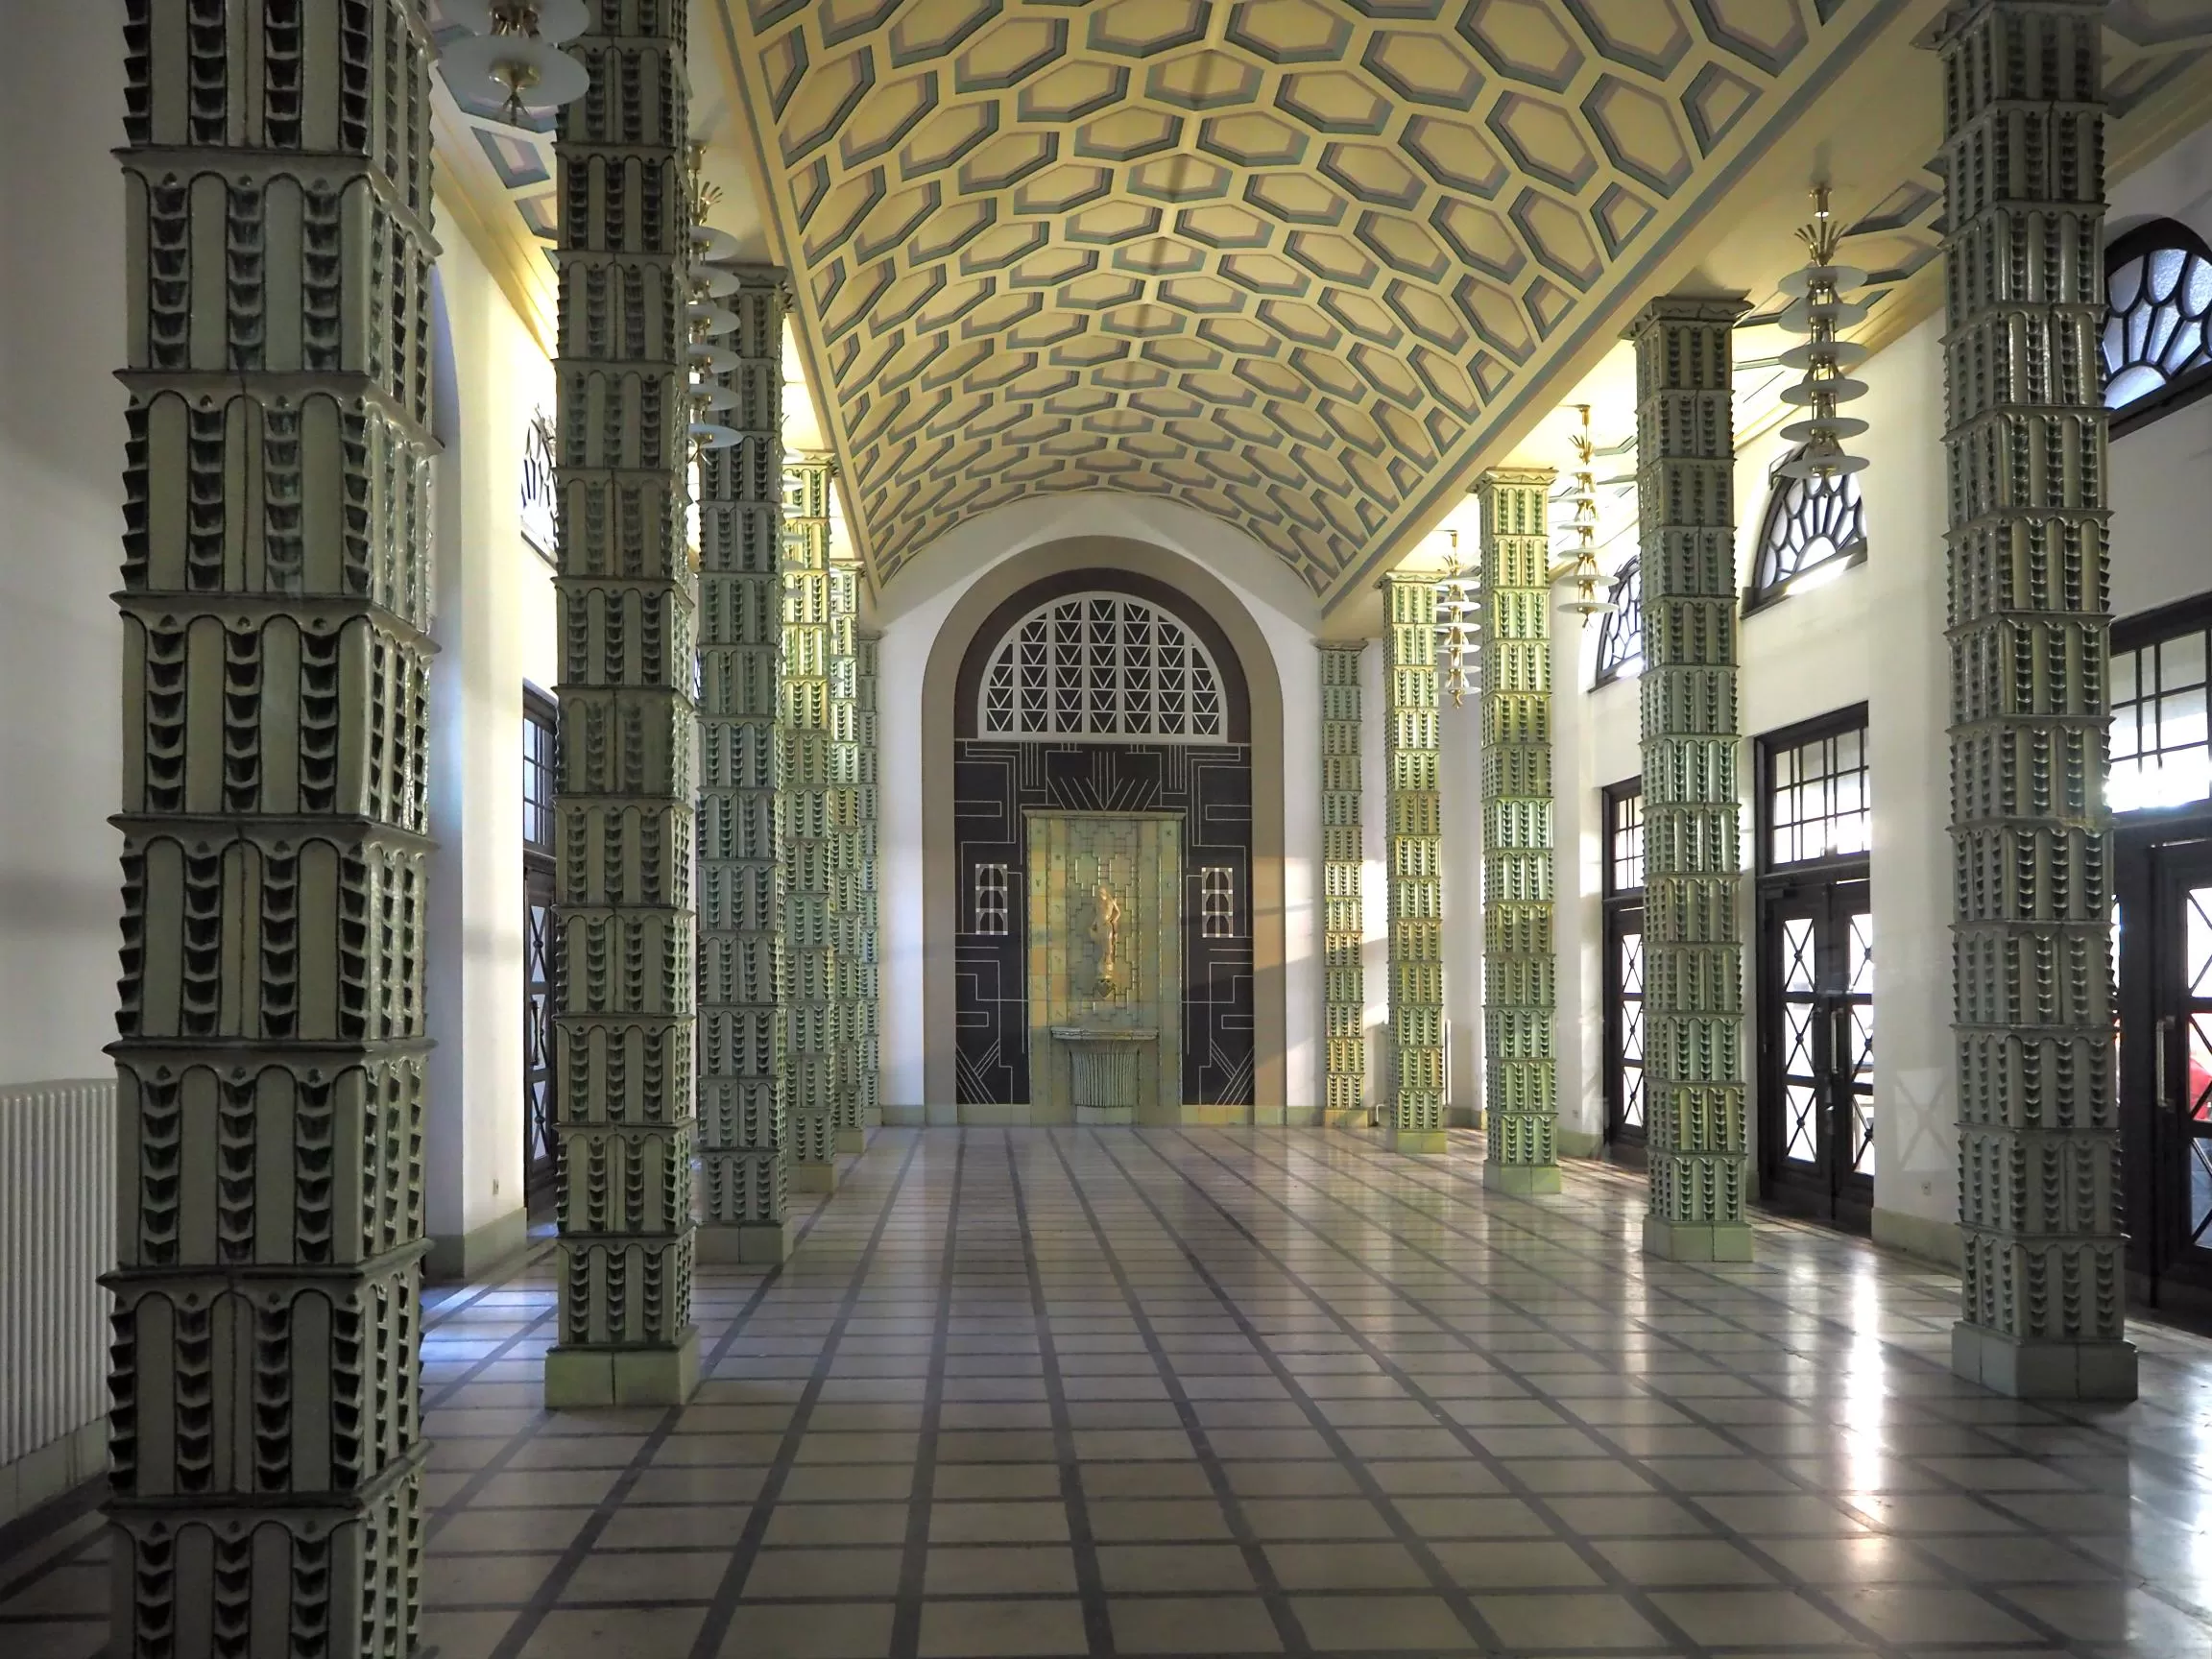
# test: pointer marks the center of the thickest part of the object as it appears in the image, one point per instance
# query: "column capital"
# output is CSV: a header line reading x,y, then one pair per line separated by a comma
x,y
1668,308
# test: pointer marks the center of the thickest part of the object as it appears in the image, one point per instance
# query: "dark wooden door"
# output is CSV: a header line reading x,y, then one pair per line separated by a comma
x,y
1816,1049
2165,950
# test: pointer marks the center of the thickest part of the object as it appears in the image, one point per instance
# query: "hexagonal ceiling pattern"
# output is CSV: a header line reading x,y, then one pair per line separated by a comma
x,y
1282,260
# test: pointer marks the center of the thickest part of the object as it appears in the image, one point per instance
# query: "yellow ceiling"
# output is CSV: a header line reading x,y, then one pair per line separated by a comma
x,y
1301,264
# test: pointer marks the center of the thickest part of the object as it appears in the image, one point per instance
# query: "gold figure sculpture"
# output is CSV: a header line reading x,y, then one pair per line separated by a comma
x,y
1109,928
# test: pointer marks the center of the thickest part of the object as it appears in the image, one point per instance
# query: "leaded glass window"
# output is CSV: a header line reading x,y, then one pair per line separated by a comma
x,y
2161,750
1623,841
1102,665
1812,524
2158,298
1620,630
537,748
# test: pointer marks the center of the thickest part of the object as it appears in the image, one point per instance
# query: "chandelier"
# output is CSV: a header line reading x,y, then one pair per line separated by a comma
x,y
512,56
1816,309
1580,569
1458,613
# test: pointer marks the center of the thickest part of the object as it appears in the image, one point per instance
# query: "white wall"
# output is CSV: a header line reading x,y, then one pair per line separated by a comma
x,y
62,433
912,608
493,628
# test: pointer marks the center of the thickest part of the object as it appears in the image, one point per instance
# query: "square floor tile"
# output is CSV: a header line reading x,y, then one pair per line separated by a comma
x,y
1745,1618
627,1634
833,1575
1670,1561
1141,1519
1382,1624
1145,1568
1588,1619
1500,1564
1037,1570
767,1630
1202,1625
1005,1628
1344,1566
662,1576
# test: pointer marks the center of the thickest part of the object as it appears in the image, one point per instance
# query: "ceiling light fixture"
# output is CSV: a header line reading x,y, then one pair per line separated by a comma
x,y
512,56
1581,569
1458,620
1816,309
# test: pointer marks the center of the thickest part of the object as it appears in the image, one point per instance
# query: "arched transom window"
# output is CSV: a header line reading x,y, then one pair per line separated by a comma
x,y
2158,298
1102,665
1621,631
1811,524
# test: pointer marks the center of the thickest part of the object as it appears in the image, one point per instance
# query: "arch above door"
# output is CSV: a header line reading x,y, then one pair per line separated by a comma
x,y
974,614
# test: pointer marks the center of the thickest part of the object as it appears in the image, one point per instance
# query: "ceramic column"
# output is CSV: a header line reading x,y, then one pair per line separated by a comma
x,y
867,1038
845,850
266,1425
1693,868
812,1065
1343,918
741,1019
1415,830
1520,965
2038,1134
626,973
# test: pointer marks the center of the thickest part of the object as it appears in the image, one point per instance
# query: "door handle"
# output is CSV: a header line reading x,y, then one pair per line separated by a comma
x,y
2158,1047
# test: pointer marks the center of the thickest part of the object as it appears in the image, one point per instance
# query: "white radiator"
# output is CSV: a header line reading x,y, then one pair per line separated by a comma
x,y
57,1238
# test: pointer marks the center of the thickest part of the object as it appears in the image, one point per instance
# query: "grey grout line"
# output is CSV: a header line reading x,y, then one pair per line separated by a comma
x,y
722,1608
914,1558
543,1599
1617,1580
1775,1461
1818,1594
1090,1578
1272,1591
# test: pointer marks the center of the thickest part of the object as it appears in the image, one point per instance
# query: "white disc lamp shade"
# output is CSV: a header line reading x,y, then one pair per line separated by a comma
x,y
552,21
514,70
711,244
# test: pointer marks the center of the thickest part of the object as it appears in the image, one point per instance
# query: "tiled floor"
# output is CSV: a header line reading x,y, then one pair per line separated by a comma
x,y
1224,1392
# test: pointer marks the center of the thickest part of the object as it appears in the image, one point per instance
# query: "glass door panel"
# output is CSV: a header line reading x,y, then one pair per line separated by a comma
x,y
1816,1048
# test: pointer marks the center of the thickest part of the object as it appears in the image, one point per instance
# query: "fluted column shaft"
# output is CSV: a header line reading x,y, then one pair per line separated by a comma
x,y
2031,618
742,1110
625,803
1343,912
1520,967
851,949
1415,867
266,1425
868,1032
1692,802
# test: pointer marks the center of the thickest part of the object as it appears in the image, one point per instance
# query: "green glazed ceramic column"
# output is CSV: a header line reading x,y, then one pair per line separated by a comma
x,y
846,858
1693,868
742,1111
1415,867
265,1431
1343,916
868,1035
809,810
625,802
1520,969
2030,621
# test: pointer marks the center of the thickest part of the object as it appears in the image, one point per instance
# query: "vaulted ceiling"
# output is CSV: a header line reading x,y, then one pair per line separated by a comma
x,y
1300,264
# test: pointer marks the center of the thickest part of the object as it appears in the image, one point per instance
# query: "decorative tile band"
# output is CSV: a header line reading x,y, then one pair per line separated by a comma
x,y
810,804
1416,865
1343,916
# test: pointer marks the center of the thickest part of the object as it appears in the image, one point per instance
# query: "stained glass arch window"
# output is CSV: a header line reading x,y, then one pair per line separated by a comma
x,y
1101,664
1811,524
1620,630
2157,311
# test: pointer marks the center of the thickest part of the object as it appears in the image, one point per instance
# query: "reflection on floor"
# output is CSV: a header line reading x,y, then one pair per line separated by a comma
x,y
1220,1391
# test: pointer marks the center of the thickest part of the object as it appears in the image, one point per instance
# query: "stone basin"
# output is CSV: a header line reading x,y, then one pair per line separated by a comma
x,y
1104,1069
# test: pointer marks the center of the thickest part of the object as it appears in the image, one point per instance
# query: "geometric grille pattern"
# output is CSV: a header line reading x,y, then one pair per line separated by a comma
x,y
742,1021
1810,522
1101,665
1520,968
1415,829
626,965
1694,951
1343,910
265,1431
2158,300
1283,262
1621,631
2039,1135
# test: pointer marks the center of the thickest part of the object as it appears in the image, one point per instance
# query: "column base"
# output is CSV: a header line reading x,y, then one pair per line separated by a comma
x,y
1521,1180
747,1243
1697,1240
813,1177
852,1140
2033,1369
577,1379
1420,1142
